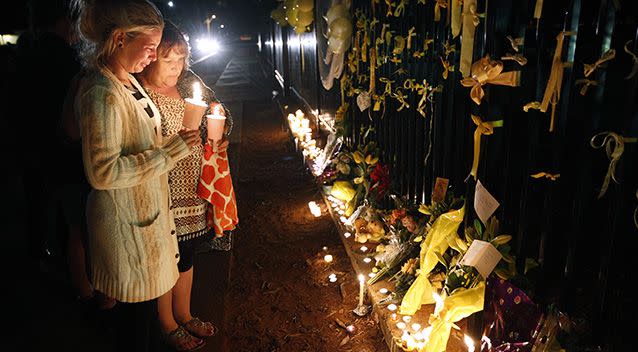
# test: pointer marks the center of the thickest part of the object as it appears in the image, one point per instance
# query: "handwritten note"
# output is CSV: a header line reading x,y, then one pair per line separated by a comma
x,y
440,189
482,256
484,204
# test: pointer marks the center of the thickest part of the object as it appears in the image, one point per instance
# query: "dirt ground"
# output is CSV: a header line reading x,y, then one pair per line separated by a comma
x,y
279,296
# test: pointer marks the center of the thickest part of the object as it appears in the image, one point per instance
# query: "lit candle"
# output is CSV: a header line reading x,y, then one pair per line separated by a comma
x,y
416,326
392,307
361,289
364,248
350,328
327,258
314,208
347,234
401,325
332,278
469,343
197,92
383,291
367,260
407,318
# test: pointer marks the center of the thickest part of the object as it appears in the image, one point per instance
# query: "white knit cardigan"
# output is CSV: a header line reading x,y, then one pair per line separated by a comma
x,y
133,250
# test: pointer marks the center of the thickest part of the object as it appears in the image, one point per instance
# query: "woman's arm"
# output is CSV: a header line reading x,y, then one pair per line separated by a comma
x,y
101,130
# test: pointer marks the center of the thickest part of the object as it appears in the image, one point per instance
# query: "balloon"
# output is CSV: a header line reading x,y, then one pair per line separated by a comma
x,y
338,45
279,16
304,18
292,14
341,28
336,11
300,29
306,5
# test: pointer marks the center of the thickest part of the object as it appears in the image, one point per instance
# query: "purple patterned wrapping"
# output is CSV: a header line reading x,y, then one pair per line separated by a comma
x,y
510,318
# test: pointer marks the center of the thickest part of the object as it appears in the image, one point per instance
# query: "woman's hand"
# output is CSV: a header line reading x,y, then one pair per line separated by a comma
x,y
190,137
221,144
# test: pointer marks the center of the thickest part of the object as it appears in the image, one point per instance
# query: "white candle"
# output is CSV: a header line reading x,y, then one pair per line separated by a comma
x,y
197,92
361,289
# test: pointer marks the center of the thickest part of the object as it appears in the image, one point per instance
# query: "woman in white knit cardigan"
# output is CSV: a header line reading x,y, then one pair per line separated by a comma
x,y
133,250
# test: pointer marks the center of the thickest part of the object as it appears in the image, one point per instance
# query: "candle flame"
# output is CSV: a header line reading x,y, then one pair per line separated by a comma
x,y
327,258
314,209
469,343
197,92
361,278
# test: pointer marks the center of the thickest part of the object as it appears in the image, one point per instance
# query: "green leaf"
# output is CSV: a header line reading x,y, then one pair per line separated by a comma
x,y
478,227
500,240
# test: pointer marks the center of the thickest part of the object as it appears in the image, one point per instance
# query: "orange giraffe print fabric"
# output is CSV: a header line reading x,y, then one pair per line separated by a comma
x,y
216,186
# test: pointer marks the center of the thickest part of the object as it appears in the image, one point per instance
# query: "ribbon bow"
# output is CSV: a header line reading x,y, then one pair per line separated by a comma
x,y
422,90
410,84
515,43
552,91
400,8
390,4
486,71
634,67
438,5
399,45
552,177
388,85
470,20
410,35
482,128
590,68
401,98
614,147
446,68
586,83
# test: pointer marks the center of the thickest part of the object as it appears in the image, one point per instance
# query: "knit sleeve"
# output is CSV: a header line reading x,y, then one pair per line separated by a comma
x,y
106,165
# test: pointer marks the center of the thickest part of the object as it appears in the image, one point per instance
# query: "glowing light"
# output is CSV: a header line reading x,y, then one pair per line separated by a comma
x,y
407,318
438,303
207,46
371,275
347,234
314,209
350,328
343,219
328,258
416,326
332,278
383,291
469,343
364,248
221,26
367,260
170,4
401,325
392,307
361,289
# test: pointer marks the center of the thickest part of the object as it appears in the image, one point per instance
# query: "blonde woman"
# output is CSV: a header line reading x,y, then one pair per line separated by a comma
x,y
168,82
133,250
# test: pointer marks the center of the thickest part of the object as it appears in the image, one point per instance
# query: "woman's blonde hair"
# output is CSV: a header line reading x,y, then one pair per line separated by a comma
x,y
97,19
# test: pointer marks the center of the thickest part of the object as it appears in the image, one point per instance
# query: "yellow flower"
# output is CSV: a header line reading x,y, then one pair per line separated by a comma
x,y
358,157
370,160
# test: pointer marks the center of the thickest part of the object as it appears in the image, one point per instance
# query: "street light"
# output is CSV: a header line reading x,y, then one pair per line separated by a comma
x,y
221,26
170,4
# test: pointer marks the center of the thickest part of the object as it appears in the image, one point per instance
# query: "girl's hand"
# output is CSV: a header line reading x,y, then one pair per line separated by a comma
x,y
190,137
221,145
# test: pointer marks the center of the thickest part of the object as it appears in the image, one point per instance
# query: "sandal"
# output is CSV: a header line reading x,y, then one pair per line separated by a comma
x,y
200,328
179,339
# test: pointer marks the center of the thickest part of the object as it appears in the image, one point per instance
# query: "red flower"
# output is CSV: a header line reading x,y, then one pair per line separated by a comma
x,y
381,176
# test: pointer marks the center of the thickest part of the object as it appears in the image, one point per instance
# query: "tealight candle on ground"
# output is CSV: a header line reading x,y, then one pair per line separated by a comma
x,y
416,326
328,258
407,318
367,260
401,325
371,275
350,328
347,234
332,277
364,248
392,307
383,291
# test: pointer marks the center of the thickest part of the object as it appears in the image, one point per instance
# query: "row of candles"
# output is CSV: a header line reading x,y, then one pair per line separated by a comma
x,y
411,337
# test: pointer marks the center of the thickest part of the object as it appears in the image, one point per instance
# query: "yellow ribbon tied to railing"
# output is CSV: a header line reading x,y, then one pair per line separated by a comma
x,y
470,21
423,91
614,147
519,58
446,68
410,84
457,306
399,45
390,4
482,128
552,91
398,95
373,69
634,58
455,15
586,83
438,5
486,71
532,105
442,232
547,175
410,35
400,8
590,68
388,85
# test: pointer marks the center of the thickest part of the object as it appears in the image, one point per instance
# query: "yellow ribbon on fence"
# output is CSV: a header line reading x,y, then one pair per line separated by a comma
x,y
396,60
400,8
423,91
515,42
532,105
373,69
398,95
519,58
410,84
438,5
482,128
586,83
446,68
634,67
381,38
400,71
590,68
455,14
552,91
410,35
388,85
614,147
457,306
442,232
552,177
470,21
486,71
399,45
390,4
